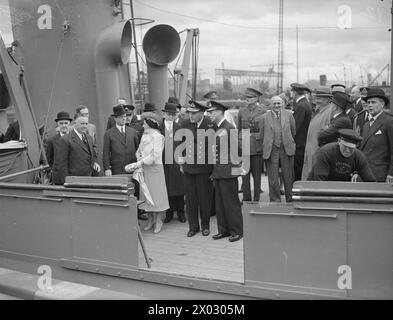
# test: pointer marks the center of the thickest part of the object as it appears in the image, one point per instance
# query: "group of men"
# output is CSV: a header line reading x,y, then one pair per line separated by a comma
x,y
314,143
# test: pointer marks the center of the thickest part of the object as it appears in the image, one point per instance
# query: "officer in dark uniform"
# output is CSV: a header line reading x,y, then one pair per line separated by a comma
x,y
302,112
198,186
341,161
249,118
224,175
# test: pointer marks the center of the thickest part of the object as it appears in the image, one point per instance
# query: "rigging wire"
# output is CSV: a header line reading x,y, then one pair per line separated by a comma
x,y
257,27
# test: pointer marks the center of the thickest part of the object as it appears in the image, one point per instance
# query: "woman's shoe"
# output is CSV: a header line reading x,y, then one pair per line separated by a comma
x,y
159,223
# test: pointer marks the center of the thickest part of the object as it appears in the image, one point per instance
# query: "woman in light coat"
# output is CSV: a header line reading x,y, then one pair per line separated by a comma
x,y
149,171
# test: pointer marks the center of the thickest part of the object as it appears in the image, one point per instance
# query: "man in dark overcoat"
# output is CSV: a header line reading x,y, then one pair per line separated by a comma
x,y
120,144
198,186
377,144
302,112
75,154
173,175
225,178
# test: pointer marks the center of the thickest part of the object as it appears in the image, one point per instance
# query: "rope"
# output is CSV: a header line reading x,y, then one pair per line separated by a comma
x,y
53,84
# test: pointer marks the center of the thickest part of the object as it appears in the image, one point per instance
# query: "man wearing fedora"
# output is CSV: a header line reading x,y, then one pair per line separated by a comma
x,y
340,120
75,155
377,144
173,175
120,144
63,121
249,118
321,119
302,112
198,186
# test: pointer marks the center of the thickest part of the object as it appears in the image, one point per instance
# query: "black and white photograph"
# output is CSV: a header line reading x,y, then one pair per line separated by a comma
x,y
193,157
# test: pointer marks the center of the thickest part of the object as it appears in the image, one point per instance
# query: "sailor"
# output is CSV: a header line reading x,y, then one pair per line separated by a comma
x,y
341,161
224,175
302,112
212,95
198,186
249,118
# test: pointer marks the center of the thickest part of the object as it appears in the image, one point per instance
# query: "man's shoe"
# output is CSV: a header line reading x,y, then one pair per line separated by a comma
x,y
168,217
205,232
235,237
181,217
220,236
192,233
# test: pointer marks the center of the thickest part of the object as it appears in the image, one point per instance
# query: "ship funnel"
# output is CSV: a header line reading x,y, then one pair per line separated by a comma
x,y
113,48
161,45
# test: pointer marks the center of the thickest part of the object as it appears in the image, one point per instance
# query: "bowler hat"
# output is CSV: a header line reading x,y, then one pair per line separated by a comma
x,y
62,115
170,107
341,99
350,136
173,100
376,93
196,107
149,107
118,110
217,106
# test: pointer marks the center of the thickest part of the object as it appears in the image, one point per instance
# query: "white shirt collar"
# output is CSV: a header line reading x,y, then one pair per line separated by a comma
x,y
199,122
219,124
79,134
168,125
300,98
375,117
120,128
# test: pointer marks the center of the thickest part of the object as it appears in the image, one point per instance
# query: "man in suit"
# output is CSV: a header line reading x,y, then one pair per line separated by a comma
x,y
302,113
131,120
360,107
83,111
120,144
377,144
63,121
224,175
198,186
340,120
278,131
75,154
249,118
173,175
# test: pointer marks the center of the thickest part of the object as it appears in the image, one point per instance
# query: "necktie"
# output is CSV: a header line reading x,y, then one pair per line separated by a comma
x,y
372,121
84,139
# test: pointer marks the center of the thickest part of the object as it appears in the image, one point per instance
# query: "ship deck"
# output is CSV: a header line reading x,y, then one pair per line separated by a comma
x,y
171,251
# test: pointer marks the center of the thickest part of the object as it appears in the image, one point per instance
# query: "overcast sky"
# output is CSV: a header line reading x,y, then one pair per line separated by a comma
x,y
243,33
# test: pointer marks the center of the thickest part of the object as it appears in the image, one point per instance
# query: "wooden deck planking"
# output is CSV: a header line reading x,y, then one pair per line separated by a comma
x,y
173,252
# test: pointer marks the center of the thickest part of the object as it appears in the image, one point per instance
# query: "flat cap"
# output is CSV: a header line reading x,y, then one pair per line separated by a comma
x,y
350,136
